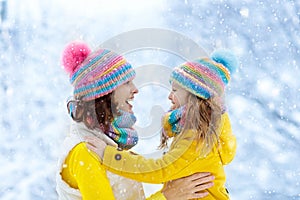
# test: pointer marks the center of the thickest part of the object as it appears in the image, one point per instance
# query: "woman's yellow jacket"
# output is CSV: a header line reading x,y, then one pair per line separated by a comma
x,y
82,176
181,160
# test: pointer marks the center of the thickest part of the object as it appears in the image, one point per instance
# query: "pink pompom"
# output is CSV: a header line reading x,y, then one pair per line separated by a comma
x,y
73,55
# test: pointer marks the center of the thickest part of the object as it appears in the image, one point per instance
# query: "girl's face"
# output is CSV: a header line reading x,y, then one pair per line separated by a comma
x,y
178,96
124,95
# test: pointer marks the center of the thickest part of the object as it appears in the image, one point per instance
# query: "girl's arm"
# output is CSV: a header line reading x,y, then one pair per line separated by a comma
x,y
172,165
139,168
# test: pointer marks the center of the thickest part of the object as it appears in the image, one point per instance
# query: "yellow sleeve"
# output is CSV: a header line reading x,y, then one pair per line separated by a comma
x,y
157,171
157,196
85,172
228,145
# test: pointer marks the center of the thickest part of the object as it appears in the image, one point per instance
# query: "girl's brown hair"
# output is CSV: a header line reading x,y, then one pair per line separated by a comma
x,y
96,113
202,116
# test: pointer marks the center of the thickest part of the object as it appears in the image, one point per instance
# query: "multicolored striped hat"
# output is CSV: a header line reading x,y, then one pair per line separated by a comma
x,y
206,77
95,74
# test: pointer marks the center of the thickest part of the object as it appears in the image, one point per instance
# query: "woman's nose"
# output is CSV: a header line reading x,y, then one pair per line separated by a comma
x,y
134,89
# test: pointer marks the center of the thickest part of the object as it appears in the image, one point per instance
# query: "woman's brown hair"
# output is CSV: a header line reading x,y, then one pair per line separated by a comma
x,y
96,113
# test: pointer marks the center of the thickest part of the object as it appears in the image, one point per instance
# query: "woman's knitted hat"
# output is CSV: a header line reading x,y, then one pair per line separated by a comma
x,y
206,77
95,74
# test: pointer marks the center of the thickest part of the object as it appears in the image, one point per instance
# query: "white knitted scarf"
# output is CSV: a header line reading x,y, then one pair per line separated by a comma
x,y
123,188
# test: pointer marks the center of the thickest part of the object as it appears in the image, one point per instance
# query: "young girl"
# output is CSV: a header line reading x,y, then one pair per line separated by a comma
x,y
103,88
198,123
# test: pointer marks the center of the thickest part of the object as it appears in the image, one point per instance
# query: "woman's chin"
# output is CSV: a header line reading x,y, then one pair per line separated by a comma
x,y
127,109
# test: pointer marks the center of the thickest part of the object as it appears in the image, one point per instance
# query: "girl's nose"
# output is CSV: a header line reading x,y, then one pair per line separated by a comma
x,y
170,96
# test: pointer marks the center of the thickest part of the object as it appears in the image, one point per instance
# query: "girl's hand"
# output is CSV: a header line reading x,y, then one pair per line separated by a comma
x,y
96,145
190,187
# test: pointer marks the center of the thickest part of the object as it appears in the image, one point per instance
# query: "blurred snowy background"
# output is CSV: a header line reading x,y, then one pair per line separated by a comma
x,y
263,98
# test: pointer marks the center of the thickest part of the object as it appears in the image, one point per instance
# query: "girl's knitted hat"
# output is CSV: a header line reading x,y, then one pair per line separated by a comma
x,y
94,74
206,77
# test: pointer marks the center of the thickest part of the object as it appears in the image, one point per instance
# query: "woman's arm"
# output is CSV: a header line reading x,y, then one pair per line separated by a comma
x,y
84,171
190,187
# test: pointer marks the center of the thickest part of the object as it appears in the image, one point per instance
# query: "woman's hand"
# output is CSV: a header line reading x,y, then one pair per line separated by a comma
x,y
190,187
96,145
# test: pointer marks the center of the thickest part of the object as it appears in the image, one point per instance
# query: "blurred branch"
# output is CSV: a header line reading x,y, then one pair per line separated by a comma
x,y
279,117
3,11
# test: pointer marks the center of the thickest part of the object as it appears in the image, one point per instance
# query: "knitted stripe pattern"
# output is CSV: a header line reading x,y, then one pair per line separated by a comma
x,y
175,120
101,73
121,130
203,77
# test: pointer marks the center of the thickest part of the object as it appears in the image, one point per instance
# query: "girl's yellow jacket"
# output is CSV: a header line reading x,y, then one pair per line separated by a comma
x,y
181,160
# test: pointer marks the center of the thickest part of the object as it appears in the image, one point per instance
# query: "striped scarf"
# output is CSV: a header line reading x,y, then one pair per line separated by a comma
x,y
173,121
121,130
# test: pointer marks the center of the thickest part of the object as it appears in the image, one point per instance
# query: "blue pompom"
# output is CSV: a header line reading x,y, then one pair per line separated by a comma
x,y
226,58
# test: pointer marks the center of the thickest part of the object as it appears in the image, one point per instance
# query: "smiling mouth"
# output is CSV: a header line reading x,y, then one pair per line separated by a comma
x,y
173,106
129,102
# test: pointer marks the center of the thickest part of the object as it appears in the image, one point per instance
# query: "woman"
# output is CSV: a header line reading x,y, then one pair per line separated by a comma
x,y
103,89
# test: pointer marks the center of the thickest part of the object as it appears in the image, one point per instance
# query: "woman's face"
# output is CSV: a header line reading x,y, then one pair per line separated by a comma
x,y
124,95
178,96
